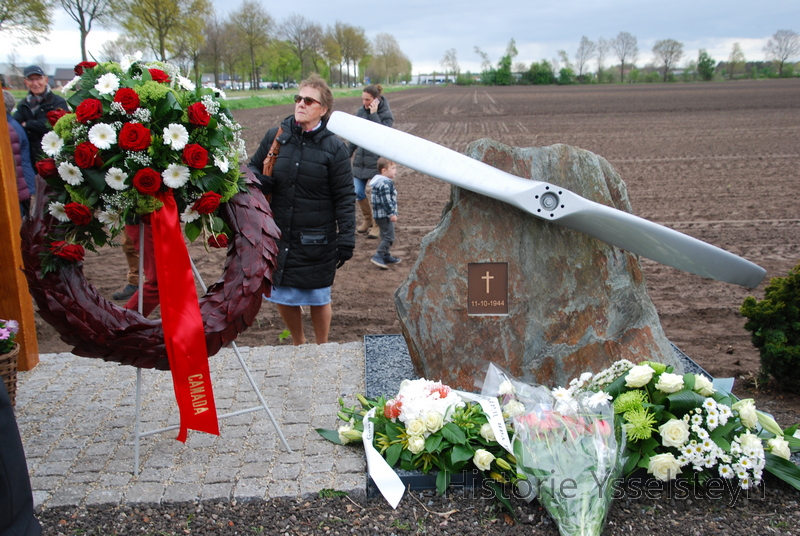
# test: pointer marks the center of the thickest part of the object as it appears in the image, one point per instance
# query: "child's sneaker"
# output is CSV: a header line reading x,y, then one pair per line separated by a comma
x,y
378,261
391,260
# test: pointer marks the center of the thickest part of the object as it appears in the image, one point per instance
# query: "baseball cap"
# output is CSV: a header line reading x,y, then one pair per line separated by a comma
x,y
33,69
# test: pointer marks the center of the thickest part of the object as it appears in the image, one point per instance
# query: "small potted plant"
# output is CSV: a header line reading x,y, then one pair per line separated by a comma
x,y
9,350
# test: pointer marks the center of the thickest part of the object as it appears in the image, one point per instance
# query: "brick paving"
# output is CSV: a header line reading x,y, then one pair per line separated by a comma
x,y
76,416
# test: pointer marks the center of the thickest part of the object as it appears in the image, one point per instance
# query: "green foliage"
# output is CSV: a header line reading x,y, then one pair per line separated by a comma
x,y
566,76
540,73
705,65
774,323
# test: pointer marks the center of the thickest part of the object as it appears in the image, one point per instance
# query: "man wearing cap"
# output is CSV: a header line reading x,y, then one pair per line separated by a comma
x,y
32,110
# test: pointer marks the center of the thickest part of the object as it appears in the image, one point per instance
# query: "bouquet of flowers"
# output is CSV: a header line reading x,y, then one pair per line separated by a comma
x,y
8,335
139,130
682,425
428,425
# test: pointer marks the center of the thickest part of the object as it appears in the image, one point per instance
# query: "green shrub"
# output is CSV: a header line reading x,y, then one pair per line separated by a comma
x,y
774,323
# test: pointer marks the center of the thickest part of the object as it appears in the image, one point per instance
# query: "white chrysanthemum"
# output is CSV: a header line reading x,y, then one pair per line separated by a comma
x,y
221,94
52,144
185,83
70,173
222,163
725,471
176,136
709,403
189,215
70,85
112,219
115,178
107,84
175,176
102,136
598,399
130,59
57,211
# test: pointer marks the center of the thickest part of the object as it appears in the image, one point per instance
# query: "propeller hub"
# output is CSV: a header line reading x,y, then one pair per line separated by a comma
x,y
549,201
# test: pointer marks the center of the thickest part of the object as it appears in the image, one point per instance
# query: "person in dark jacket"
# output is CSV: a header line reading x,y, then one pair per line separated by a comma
x,y
365,164
26,176
32,110
313,205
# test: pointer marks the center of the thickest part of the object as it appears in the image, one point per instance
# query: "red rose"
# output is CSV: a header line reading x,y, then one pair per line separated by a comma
x,y
89,110
195,156
84,65
54,115
86,155
128,98
46,167
134,137
198,115
70,252
208,203
147,181
79,214
219,241
158,75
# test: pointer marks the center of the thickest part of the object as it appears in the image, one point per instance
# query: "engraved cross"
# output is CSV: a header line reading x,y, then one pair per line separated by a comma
x,y
487,277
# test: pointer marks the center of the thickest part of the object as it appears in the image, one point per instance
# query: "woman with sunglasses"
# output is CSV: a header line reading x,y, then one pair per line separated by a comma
x,y
312,202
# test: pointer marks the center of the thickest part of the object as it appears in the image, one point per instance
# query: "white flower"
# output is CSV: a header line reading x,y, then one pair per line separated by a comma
x,y
57,211
185,83
416,444
102,135
189,215
70,85
176,135
514,408
222,163
175,176
348,433
674,433
747,412
434,421
779,447
487,432
221,94
725,471
107,84
506,388
703,385
598,399
483,459
111,219
639,376
115,178
664,466
70,173
52,144
416,427
669,383
129,60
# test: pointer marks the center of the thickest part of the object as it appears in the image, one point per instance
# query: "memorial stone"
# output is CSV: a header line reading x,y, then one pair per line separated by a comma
x,y
574,303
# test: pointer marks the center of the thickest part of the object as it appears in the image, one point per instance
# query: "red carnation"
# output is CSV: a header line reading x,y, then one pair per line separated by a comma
x,y
86,155
158,75
134,137
219,241
78,214
70,252
147,181
89,110
84,65
195,156
54,115
198,114
208,203
392,409
128,98
46,167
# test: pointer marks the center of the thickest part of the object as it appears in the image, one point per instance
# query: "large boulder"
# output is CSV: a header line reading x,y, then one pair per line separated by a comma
x,y
575,303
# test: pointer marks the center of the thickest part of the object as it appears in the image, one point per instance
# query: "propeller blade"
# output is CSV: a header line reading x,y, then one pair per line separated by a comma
x,y
550,202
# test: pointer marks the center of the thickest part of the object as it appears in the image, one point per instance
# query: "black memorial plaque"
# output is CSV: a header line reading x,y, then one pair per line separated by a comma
x,y
487,288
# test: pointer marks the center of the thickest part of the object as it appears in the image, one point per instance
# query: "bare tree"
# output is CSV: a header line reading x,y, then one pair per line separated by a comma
x,y
736,58
114,50
353,43
86,13
450,61
668,52
332,52
252,26
586,50
214,46
625,46
782,46
486,63
603,46
388,62
305,37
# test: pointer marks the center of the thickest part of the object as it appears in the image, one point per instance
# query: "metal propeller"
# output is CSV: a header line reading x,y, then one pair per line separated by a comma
x,y
550,202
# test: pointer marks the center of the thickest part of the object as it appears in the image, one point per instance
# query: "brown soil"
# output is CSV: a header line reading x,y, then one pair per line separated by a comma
x,y
715,161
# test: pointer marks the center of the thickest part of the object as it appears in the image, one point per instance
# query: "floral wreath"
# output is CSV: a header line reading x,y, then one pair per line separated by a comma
x,y
140,131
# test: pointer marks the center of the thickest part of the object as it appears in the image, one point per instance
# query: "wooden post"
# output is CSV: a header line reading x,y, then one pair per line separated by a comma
x,y
15,300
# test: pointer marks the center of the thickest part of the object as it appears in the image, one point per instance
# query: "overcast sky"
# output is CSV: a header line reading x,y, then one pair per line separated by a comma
x,y
426,29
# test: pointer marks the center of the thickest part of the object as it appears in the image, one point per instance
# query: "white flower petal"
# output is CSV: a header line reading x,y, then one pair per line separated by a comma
x,y
107,84
57,211
70,173
189,215
175,176
102,136
176,136
116,179
52,144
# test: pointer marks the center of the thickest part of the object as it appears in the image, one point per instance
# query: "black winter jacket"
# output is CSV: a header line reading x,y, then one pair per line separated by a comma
x,y
313,202
365,164
36,123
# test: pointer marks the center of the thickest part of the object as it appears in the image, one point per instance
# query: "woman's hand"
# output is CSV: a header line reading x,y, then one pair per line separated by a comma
x,y
373,106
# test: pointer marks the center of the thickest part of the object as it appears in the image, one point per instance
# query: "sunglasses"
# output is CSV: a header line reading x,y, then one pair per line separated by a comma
x,y
307,100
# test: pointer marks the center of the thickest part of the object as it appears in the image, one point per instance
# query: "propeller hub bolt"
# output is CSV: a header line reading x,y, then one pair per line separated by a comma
x,y
549,201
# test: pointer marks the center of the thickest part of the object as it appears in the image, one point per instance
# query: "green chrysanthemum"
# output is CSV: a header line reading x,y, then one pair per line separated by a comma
x,y
151,92
629,400
640,424
75,196
63,127
658,368
146,204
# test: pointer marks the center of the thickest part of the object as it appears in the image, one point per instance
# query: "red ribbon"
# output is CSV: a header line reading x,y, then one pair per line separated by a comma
x,y
184,335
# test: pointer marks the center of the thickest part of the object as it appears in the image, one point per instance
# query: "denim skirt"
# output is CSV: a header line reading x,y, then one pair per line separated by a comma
x,y
300,296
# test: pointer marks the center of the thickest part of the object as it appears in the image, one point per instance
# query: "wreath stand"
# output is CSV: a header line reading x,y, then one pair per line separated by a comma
x,y
138,434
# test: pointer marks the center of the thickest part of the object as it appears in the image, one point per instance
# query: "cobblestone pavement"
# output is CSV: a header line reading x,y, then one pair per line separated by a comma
x,y
77,417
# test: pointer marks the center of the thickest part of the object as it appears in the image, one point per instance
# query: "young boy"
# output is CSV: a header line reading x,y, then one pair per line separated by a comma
x,y
384,211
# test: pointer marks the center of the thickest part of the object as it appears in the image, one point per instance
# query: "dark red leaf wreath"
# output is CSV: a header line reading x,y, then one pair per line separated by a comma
x,y
99,328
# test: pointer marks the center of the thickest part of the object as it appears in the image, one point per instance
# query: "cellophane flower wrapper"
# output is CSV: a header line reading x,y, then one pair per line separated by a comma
x,y
569,447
